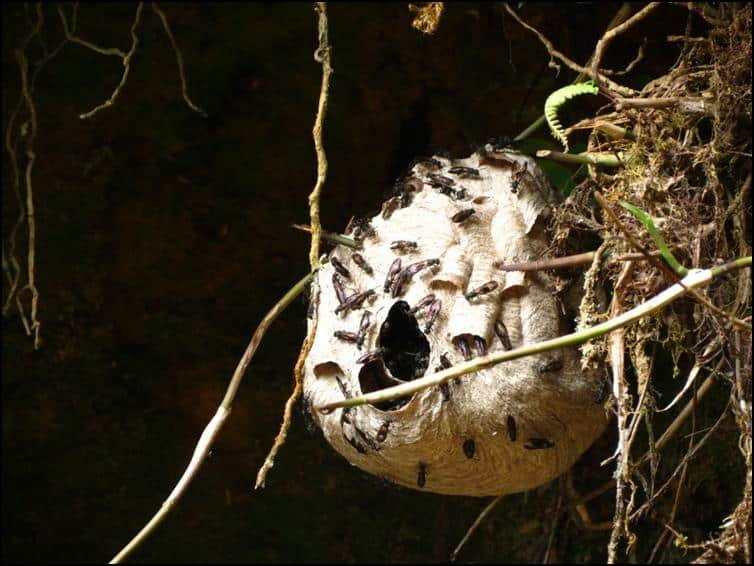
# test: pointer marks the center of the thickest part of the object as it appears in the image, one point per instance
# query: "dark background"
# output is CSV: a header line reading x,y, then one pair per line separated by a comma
x,y
164,237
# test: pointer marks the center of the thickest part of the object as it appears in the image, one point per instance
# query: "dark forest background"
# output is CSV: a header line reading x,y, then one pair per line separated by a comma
x,y
163,237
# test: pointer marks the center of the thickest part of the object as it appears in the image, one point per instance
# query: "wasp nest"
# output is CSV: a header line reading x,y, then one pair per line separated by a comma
x,y
426,292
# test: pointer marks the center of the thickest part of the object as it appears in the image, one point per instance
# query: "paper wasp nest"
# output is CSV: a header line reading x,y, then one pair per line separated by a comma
x,y
424,293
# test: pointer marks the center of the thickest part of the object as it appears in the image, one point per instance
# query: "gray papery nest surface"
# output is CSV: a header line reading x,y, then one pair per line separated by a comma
x,y
426,292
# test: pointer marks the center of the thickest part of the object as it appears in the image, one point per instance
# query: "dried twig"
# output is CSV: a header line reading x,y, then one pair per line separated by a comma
x,y
214,426
28,130
331,236
589,158
30,217
474,526
664,268
555,54
126,67
70,34
321,55
610,35
179,60
616,346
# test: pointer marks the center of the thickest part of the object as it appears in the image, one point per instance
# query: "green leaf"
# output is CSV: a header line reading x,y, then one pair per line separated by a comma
x,y
645,219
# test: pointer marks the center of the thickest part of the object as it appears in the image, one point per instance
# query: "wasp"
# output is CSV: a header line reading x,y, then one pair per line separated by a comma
x,y
434,310
390,206
421,477
440,181
480,345
601,393
367,440
444,361
510,424
445,389
518,173
361,228
395,267
445,364
502,333
553,365
459,217
382,433
340,268
429,162
538,443
407,274
406,198
352,441
469,447
425,301
341,294
354,301
343,387
444,386
459,194
345,416
359,260
483,289
364,327
369,356
403,246
346,336
463,347
465,172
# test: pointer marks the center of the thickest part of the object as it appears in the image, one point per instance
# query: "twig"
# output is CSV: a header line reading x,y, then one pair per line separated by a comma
x,y
179,59
331,236
214,426
684,461
616,348
11,266
126,67
619,16
610,35
30,216
613,131
571,261
197,458
474,526
269,461
593,158
632,65
70,34
321,55
663,267
696,278
661,442
554,53
689,105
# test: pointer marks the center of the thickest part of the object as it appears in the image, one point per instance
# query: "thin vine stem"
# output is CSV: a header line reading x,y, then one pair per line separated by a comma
x,y
696,278
215,425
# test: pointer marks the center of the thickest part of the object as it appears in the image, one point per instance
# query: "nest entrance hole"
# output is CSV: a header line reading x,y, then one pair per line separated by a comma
x,y
404,355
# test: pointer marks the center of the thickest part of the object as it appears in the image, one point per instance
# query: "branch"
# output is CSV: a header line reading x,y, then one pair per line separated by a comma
x,y
610,35
321,55
570,63
215,425
696,278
